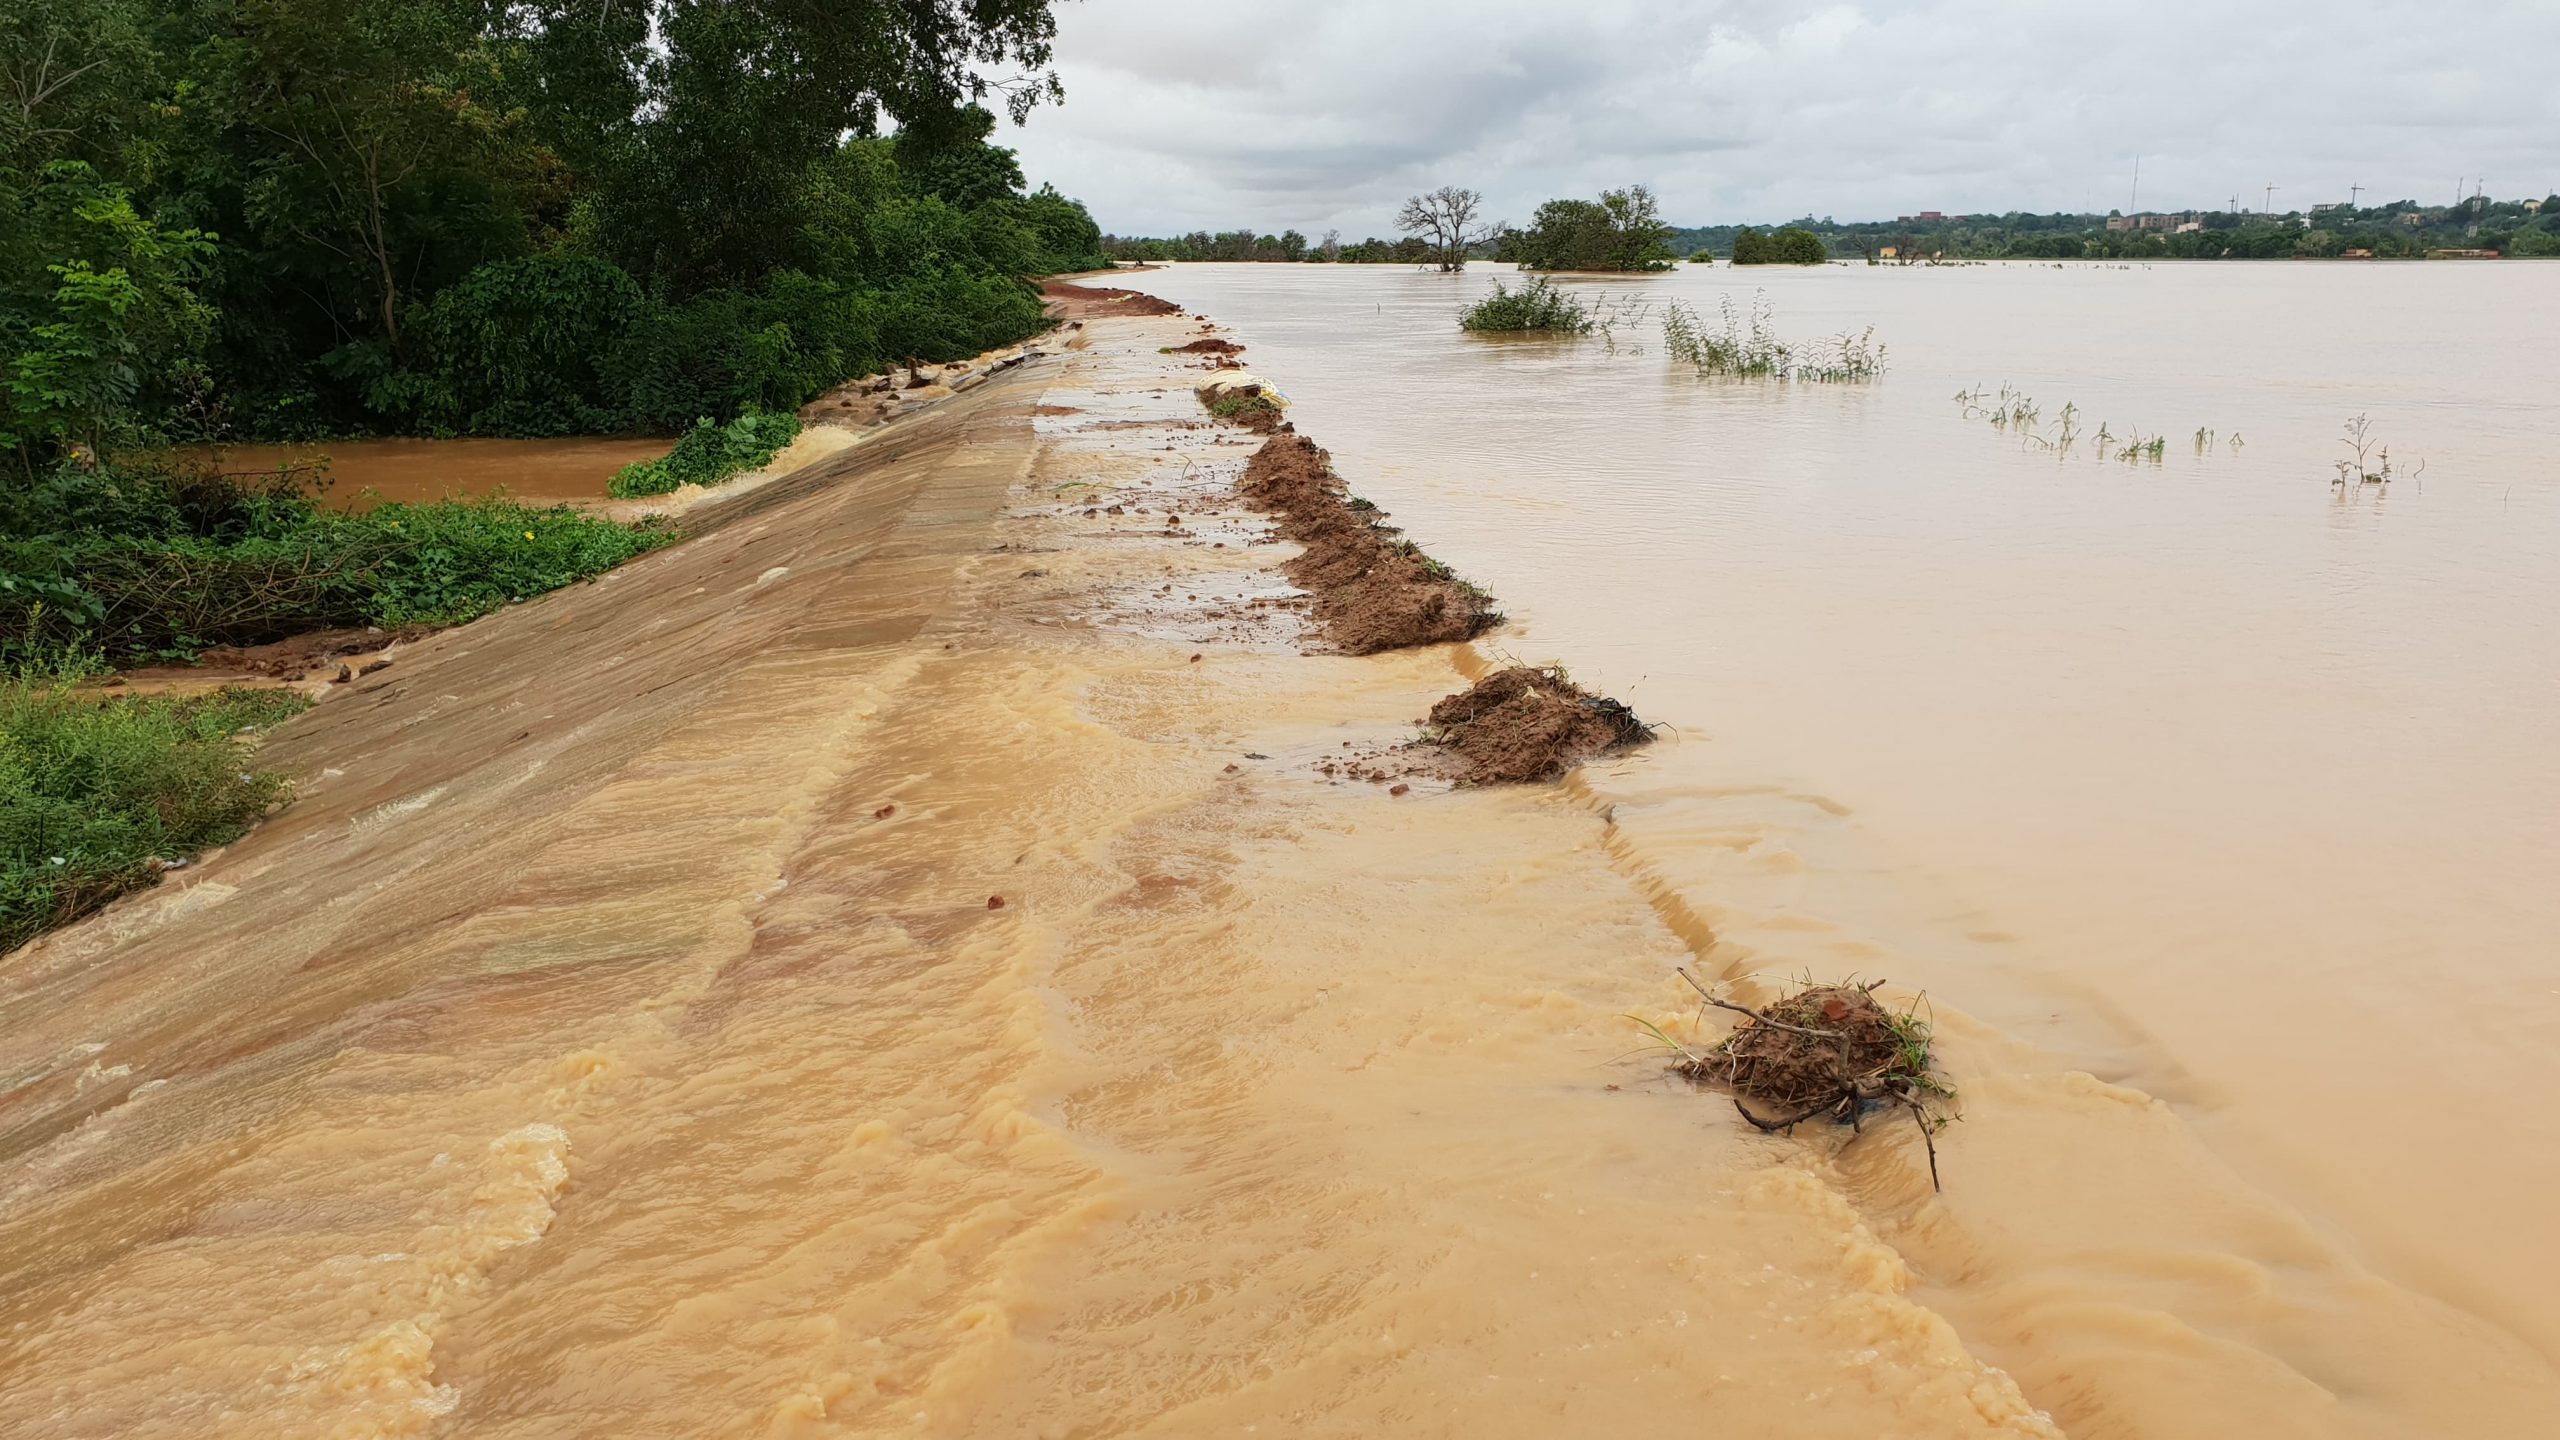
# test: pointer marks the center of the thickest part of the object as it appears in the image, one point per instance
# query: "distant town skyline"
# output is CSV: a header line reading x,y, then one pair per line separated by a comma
x,y
1318,114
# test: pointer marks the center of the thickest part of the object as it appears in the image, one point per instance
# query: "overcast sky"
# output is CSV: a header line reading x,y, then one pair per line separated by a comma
x,y
1318,114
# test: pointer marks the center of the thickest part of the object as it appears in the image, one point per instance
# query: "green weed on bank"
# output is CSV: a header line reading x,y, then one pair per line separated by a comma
x,y
96,794
708,454
142,565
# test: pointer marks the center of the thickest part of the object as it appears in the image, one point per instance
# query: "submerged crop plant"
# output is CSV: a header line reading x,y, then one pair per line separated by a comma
x,y
1748,346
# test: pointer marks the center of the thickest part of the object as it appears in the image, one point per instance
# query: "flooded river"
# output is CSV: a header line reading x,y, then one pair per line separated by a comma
x,y
2243,789
902,962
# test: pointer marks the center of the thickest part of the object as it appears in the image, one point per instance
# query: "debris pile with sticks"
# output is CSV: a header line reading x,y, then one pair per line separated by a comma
x,y
1827,1051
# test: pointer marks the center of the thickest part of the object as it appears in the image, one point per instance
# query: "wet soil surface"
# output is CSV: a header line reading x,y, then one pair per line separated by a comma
x,y
1086,302
318,655
1373,590
1521,724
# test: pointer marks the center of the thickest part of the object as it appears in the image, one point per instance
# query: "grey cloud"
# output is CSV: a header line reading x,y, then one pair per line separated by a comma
x,y
1322,113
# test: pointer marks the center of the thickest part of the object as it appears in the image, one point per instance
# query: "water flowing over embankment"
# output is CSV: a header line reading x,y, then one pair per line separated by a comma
x,y
905,961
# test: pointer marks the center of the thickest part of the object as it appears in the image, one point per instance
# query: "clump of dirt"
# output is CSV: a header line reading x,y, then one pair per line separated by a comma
x,y
1523,724
1825,1051
1373,591
1249,405
1083,302
1211,346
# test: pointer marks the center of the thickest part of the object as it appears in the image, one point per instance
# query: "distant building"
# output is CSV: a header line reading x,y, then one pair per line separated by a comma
x,y
2119,222
1888,252
1925,217
2188,227
2355,255
2462,254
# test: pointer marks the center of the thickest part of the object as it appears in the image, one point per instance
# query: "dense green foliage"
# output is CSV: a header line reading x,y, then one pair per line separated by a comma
x,y
142,564
1789,245
1621,231
95,793
1538,305
709,454
301,217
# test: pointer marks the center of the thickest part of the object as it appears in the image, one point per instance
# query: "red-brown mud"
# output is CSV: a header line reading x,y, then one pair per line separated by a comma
x,y
1523,724
316,652
1086,302
1211,346
1247,405
1373,591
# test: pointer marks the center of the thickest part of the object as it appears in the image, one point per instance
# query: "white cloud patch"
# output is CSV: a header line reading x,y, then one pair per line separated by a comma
x,y
1317,114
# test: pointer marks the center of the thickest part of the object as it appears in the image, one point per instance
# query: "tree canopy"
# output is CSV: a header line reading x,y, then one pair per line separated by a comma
x,y
1622,230
1788,245
295,216
1449,222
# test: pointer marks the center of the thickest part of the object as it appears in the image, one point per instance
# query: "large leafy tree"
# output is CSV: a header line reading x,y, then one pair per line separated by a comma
x,y
736,99
1622,230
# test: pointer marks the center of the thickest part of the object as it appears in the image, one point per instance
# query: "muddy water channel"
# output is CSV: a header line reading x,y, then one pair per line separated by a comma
x,y
2203,776
365,473
905,961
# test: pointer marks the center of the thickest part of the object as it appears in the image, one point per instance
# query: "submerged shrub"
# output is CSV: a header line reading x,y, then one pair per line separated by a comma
x,y
708,454
95,793
1538,305
1791,245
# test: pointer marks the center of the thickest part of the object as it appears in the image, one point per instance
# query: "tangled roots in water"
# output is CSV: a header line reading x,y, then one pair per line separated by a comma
x,y
1827,1051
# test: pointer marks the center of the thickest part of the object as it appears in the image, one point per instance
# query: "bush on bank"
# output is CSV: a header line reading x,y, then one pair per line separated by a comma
x,y
96,794
708,454
143,565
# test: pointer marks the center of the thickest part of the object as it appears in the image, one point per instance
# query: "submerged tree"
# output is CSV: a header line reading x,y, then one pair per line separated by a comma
x,y
1792,245
1622,230
1448,220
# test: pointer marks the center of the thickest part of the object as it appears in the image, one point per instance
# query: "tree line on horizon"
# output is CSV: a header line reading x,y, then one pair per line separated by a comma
x,y
1617,234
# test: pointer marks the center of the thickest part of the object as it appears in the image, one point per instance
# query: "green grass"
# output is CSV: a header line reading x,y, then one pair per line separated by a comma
x,y
1537,307
96,793
708,454
144,566
1241,404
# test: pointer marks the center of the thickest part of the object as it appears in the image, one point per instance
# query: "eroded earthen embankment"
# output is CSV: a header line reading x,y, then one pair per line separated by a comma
x,y
620,1034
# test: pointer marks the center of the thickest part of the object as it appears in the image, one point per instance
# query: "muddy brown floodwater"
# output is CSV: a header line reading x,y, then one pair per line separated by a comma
x,y
907,961
366,473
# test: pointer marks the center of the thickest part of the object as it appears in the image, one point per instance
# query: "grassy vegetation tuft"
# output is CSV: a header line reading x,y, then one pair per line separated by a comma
x,y
143,565
709,454
1246,405
1752,349
96,794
